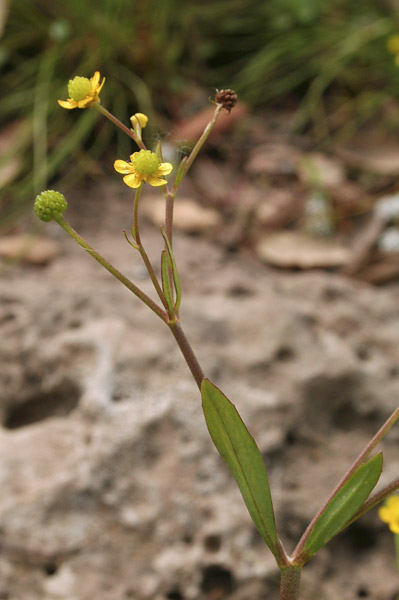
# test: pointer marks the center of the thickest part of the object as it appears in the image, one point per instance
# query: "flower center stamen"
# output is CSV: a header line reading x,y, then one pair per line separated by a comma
x,y
145,162
79,88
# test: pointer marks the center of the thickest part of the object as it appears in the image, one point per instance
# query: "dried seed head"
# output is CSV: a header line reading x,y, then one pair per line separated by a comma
x,y
228,99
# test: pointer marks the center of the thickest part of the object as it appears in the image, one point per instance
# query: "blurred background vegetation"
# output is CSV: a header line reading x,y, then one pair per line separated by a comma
x,y
326,59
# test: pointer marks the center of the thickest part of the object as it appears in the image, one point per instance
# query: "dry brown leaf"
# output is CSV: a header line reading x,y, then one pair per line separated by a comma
x,y
384,268
293,249
189,216
380,159
317,168
190,129
28,248
274,158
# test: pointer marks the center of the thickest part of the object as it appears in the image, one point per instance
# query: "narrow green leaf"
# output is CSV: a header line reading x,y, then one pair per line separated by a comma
x,y
166,286
244,460
173,267
342,506
180,172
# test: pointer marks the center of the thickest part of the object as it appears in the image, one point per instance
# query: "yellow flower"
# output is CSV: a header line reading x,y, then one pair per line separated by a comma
x,y
144,166
393,44
389,513
83,92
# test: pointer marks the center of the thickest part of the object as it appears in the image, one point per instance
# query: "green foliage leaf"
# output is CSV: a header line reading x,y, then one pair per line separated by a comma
x,y
173,268
342,506
243,458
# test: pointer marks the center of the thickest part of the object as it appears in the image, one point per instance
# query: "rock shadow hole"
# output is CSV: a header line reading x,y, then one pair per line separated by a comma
x,y
217,582
212,543
57,403
50,569
175,594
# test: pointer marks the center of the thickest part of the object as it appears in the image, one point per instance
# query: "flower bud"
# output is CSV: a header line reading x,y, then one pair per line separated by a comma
x,y
49,205
139,118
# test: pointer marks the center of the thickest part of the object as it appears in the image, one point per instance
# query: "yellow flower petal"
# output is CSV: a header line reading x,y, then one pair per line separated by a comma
x,y
121,166
156,181
83,103
95,79
385,514
394,527
164,169
100,87
67,103
393,503
133,180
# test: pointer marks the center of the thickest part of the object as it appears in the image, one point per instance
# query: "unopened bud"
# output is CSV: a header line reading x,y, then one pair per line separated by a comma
x,y
139,118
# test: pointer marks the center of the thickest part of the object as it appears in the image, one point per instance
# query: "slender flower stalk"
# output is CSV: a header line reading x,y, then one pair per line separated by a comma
x,y
141,249
183,170
121,126
194,152
113,270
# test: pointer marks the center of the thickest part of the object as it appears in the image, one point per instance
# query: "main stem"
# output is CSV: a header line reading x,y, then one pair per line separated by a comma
x,y
290,583
187,352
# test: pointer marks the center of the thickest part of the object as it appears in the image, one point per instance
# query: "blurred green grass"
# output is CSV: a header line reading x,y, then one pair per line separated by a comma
x,y
328,58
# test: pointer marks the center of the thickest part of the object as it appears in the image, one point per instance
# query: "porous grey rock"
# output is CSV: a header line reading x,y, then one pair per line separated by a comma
x,y
111,488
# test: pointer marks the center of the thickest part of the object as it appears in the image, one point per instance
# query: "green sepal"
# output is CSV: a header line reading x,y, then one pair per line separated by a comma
x,y
239,450
173,267
166,286
342,506
158,151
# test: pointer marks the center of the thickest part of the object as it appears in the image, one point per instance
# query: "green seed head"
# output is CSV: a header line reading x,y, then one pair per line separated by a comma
x,y
49,205
79,88
145,162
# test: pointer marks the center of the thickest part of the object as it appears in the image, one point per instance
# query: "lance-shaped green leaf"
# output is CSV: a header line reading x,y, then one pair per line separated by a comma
x,y
244,460
341,508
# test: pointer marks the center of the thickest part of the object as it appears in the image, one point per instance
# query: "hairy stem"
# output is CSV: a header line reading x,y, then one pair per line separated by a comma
x,y
141,249
194,152
169,205
187,352
290,582
119,124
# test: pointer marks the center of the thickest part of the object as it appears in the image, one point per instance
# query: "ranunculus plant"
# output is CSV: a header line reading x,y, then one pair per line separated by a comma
x,y
353,495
